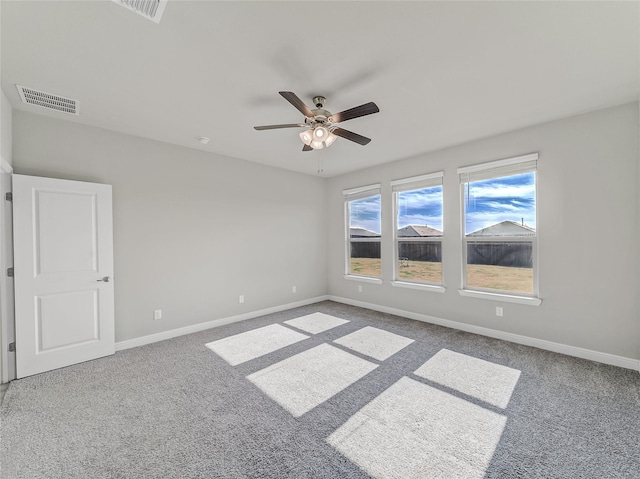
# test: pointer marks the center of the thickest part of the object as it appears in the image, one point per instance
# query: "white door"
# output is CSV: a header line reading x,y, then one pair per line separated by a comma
x,y
63,259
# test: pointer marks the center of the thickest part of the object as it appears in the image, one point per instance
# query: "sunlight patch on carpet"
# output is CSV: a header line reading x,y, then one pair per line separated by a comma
x,y
304,381
252,344
484,380
374,342
316,323
412,430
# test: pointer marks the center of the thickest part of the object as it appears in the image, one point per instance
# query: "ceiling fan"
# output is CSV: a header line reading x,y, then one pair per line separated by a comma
x,y
320,125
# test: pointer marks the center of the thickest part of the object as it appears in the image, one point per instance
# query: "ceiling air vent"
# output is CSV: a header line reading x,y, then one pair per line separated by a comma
x,y
151,9
48,100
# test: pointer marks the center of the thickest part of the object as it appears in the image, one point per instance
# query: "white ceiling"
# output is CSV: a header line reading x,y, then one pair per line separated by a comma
x,y
442,73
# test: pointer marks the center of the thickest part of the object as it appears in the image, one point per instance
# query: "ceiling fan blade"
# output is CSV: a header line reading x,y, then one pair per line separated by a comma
x,y
297,102
307,148
349,135
274,127
358,111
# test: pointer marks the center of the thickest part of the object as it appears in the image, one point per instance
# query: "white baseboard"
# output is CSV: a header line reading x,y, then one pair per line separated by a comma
x,y
597,356
173,333
577,352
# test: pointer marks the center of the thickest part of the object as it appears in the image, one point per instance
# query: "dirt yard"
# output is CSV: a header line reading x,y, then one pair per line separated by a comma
x,y
517,280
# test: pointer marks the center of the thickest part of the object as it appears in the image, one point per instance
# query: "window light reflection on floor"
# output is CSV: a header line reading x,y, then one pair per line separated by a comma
x,y
483,380
413,430
255,343
316,322
306,380
375,343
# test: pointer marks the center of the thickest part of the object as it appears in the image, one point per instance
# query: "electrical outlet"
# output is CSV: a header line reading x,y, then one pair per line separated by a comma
x,y
157,314
359,288
293,289
241,298
499,311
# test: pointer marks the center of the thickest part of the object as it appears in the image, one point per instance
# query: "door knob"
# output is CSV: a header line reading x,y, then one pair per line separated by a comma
x,y
106,279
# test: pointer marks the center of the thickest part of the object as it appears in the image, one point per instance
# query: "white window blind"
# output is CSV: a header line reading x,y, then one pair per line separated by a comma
x,y
361,192
417,182
496,169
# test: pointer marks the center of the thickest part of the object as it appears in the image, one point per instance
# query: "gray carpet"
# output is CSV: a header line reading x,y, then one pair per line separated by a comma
x,y
176,409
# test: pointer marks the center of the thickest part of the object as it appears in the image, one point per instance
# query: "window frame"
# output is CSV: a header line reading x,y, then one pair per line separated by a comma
x,y
500,169
353,194
411,184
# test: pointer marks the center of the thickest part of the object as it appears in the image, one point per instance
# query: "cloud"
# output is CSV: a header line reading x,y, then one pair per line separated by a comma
x,y
516,187
497,190
365,213
498,206
420,198
492,201
420,207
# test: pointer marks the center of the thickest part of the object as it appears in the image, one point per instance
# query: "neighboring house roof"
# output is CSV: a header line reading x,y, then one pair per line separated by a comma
x,y
505,228
362,233
415,230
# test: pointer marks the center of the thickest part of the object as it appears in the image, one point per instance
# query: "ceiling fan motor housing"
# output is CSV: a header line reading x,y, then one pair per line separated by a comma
x,y
319,101
319,116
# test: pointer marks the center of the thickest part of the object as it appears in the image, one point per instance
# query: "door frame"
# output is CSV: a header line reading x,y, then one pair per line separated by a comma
x,y
7,312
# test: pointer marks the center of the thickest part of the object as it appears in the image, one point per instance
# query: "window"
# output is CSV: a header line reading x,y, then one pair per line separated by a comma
x,y
500,240
362,213
418,229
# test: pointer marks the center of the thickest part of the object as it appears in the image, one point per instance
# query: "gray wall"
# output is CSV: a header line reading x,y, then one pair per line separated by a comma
x,y
192,230
588,210
5,127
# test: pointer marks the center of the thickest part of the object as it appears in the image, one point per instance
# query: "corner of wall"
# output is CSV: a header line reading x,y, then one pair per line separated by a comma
x,y
6,120
638,234
6,157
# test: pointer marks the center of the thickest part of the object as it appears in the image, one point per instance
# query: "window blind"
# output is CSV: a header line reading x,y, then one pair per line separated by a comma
x,y
417,182
361,192
496,169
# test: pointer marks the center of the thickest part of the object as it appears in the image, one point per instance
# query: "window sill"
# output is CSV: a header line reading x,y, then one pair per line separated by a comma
x,y
364,279
505,298
423,287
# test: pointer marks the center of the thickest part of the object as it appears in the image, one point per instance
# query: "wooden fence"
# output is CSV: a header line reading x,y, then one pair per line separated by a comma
x,y
420,251
517,254
412,251
365,249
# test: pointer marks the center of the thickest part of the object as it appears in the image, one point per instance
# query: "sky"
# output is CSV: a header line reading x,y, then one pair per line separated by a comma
x,y
512,198
417,207
486,202
420,207
365,213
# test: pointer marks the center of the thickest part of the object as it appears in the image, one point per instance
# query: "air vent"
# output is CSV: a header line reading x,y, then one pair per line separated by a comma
x,y
150,9
48,100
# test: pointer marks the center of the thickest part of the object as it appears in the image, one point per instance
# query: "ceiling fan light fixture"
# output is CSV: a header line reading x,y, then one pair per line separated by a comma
x,y
318,138
320,133
330,139
306,137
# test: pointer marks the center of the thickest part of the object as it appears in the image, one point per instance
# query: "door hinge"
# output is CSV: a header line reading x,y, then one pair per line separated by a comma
x,y
12,347
10,272
8,196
